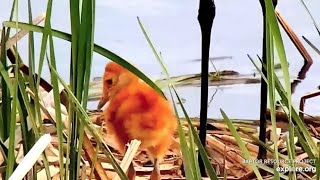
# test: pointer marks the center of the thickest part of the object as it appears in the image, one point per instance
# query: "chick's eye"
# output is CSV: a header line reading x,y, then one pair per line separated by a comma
x,y
108,81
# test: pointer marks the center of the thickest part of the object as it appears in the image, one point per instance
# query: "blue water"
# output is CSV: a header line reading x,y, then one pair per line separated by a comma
x,y
174,30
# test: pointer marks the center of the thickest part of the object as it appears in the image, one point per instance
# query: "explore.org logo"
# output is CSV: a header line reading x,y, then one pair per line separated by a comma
x,y
296,169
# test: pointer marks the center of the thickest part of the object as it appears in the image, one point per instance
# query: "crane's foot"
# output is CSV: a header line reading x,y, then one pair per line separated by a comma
x,y
131,172
155,175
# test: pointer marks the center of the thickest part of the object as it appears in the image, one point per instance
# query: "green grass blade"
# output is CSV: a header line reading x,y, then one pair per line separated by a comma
x,y
311,45
98,49
13,117
31,53
75,24
89,52
12,130
194,156
82,65
72,138
275,31
241,144
80,62
31,47
257,68
56,96
211,173
295,117
6,99
26,135
313,20
27,105
164,68
318,164
44,41
186,156
304,145
31,65
271,92
6,90
13,7
88,23
276,36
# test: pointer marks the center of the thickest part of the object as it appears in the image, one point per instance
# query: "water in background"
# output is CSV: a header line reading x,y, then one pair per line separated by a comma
x,y
174,29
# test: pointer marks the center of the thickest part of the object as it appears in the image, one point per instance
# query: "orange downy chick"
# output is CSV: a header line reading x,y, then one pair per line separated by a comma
x,y
136,111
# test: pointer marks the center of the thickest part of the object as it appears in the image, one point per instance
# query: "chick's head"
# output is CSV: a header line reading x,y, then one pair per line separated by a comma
x,y
115,76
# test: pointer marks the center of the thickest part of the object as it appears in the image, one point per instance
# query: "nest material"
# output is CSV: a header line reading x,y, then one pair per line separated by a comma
x,y
222,148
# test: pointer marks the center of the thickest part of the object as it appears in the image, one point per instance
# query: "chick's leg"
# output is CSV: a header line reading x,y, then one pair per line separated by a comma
x,y
131,172
157,152
155,175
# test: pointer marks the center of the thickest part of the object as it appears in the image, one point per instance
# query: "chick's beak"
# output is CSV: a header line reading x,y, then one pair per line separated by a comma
x,y
106,89
102,102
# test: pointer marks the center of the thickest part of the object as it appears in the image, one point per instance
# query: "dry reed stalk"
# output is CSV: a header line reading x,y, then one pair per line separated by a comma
x,y
31,157
251,147
231,155
91,154
128,157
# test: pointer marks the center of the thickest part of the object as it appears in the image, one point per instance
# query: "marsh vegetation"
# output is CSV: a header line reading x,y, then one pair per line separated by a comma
x,y
47,131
